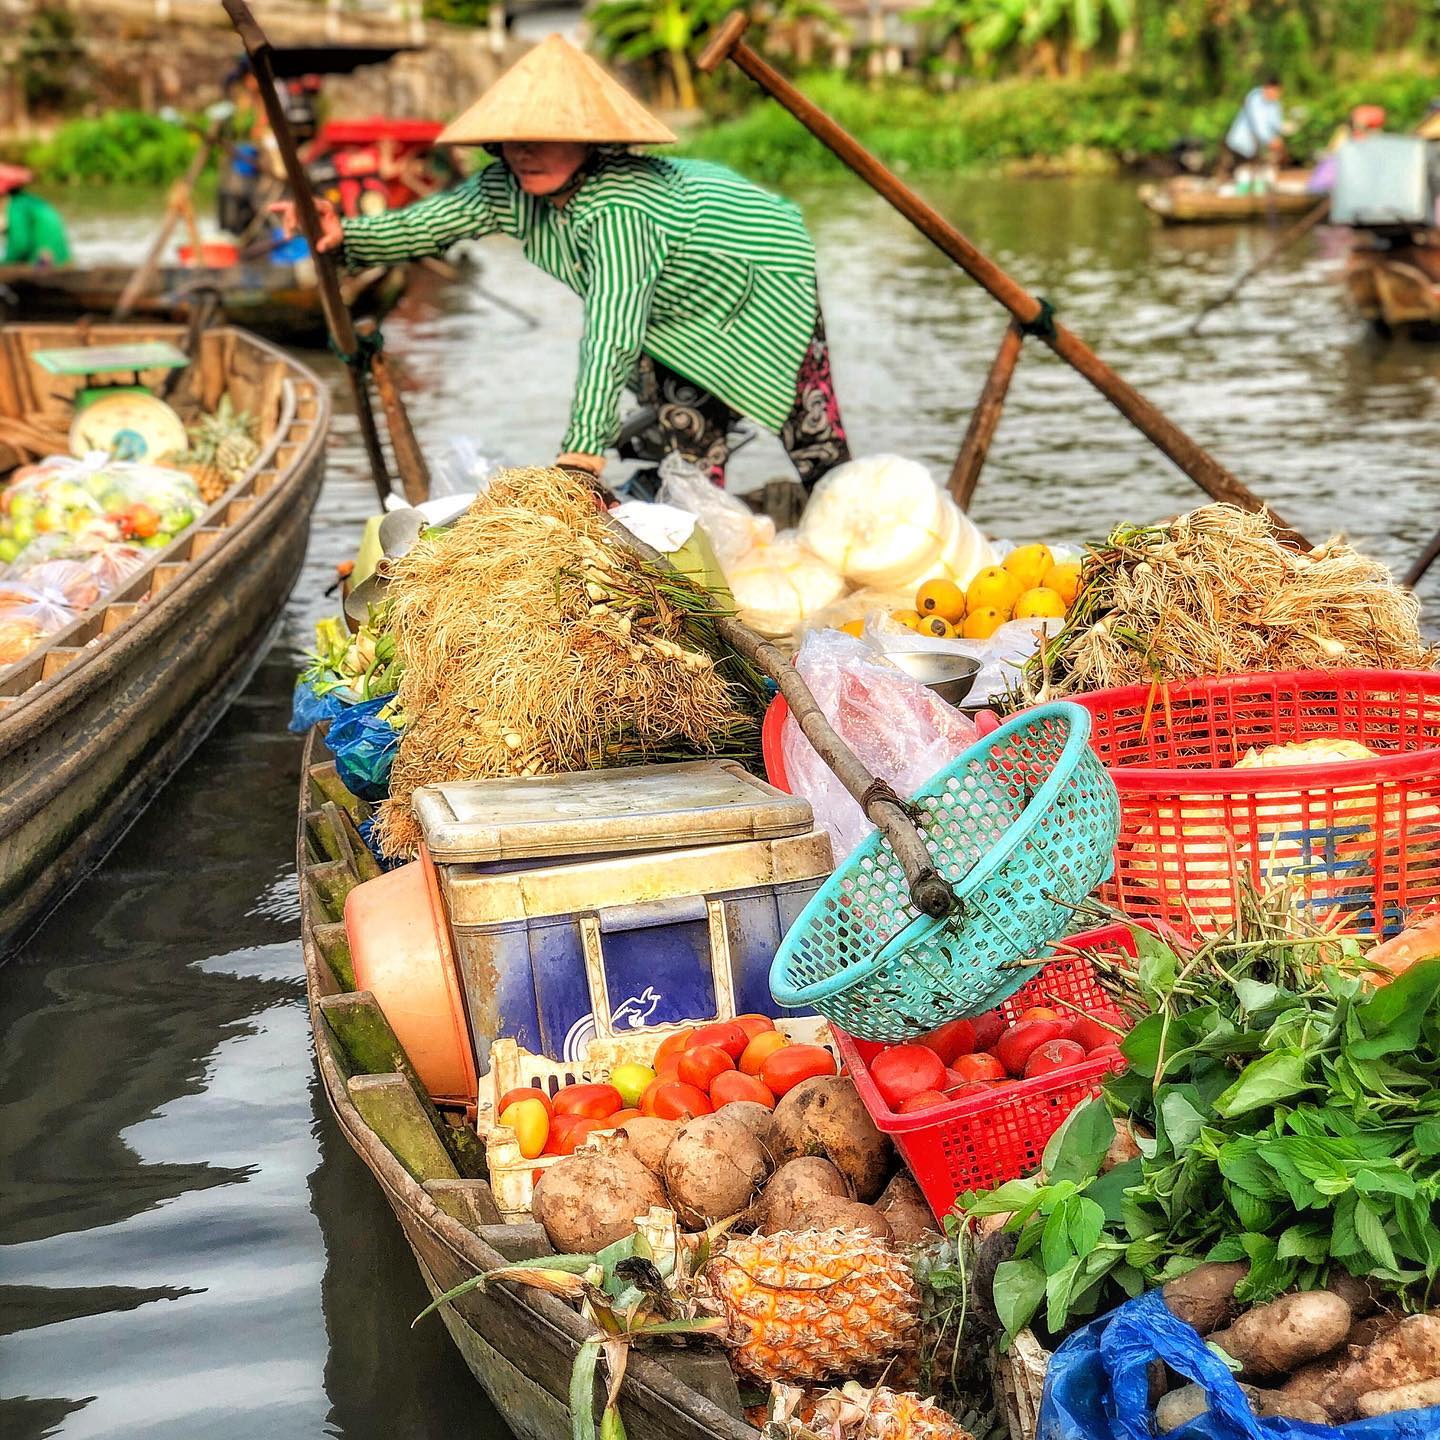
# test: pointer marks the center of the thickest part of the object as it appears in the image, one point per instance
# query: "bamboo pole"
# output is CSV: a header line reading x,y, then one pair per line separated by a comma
x,y
1297,231
985,418
414,474
1034,316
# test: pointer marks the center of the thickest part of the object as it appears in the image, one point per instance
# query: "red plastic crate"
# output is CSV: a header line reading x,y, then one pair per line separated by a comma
x,y
1363,835
980,1142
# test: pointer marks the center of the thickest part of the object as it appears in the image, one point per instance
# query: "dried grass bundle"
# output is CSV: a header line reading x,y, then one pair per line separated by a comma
x,y
533,644
1215,593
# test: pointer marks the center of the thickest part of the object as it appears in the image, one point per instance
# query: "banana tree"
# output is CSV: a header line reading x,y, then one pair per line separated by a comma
x,y
647,30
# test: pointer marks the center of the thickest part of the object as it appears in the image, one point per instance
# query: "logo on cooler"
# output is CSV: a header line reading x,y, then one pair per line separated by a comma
x,y
632,1014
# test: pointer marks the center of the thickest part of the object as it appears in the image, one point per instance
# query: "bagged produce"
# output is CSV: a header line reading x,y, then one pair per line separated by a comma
x,y
68,582
731,527
28,613
777,587
900,730
364,741
1097,1388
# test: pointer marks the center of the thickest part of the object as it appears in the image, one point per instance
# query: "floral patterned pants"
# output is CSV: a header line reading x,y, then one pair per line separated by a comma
x,y
696,423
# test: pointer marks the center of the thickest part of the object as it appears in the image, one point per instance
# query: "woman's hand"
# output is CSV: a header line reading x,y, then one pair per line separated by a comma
x,y
573,460
331,234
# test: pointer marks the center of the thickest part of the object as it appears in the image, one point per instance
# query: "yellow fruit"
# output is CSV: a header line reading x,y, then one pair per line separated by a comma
x,y
854,627
934,626
1064,580
1038,604
1028,564
910,619
631,1080
982,623
530,1121
813,1305
994,588
941,597
857,1413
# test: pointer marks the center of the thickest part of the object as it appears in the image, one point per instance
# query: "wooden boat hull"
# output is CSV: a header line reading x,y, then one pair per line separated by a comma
x,y
279,302
1398,289
87,736
1182,202
519,1344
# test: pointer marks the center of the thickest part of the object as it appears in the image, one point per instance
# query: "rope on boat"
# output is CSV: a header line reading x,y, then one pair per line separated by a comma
x,y
1042,327
368,344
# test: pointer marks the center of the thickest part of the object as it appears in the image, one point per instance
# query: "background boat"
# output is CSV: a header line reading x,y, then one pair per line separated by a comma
x,y
95,718
1188,200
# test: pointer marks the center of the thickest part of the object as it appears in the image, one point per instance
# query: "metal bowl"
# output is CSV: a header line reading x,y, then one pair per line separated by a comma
x,y
949,676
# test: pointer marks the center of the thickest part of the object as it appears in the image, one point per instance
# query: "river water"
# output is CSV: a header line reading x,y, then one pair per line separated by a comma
x,y
187,1246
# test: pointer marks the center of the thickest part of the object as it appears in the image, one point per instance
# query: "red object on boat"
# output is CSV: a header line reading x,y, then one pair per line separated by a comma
x,y
382,164
980,1140
214,254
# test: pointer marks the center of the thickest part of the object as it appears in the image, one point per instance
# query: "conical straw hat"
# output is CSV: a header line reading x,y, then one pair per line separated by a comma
x,y
556,93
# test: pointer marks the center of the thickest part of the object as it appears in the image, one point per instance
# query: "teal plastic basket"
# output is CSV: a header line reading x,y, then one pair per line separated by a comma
x,y
1023,825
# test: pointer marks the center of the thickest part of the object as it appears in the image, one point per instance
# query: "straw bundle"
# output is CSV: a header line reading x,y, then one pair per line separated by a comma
x,y
1215,593
532,645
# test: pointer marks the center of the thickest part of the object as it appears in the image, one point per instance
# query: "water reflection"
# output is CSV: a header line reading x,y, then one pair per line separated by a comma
x,y
189,1247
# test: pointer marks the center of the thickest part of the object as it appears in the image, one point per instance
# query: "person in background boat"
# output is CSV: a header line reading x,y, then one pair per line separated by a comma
x,y
699,288
1257,133
31,228
1363,121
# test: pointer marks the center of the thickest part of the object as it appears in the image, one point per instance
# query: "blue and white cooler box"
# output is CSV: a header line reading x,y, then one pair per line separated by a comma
x,y
585,905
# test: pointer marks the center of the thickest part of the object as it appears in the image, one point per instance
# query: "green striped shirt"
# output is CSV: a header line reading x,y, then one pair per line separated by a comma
x,y
680,259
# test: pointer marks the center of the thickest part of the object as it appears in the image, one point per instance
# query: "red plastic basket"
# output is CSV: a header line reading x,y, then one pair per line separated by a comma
x,y
981,1141
1363,835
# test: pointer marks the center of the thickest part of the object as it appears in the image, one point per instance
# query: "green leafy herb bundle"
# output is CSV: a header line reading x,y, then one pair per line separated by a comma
x,y
1295,1112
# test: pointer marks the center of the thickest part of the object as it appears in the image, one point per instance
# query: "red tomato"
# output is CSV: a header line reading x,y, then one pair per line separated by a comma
x,y
949,1040
698,1067
729,1036
1015,1046
730,1087
675,1045
1038,1012
593,1101
760,1048
923,1101
575,1134
1112,1053
1053,1055
972,1088
524,1092
905,1070
560,1127
787,1067
754,1025
677,1101
1099,1028
979,1067
988,1028
621,1116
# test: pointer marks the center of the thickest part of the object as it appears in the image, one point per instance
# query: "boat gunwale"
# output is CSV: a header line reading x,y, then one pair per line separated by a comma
x,y
23,713
464,1245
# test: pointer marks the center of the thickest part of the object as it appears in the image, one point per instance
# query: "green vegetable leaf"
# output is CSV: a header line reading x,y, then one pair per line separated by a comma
x,y
1256,995
1018,1290
1394,1015
1427,1138
1156,967
1086,1223
1183,1122
1056,1251
1370,1231
1059,1288
1108,1190
1141,1047
1077,1148
1304,1242
1263,1083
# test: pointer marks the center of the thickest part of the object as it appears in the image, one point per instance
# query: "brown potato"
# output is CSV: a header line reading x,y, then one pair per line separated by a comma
x,y
713,1169
1273,1339
1204,1298
787,1198
758,1120
1419,1396
587,1200
824,1116
830,1212
1408,1354
906,1212
649,1138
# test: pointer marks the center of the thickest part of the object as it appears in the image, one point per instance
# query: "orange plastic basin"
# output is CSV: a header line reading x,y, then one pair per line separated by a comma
x,y
400,948
216,254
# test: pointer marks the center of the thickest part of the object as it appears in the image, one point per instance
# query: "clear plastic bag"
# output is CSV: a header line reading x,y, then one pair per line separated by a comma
x,y
463,467
729,524
900,731
70,581
1001,657
28,613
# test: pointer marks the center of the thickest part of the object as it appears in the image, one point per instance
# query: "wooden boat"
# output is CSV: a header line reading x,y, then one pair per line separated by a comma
x,y
1396,285
93,719
280,302
1188,200
519,1344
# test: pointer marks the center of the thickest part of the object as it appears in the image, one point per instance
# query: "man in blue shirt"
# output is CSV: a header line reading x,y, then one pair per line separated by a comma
x,y
1257,132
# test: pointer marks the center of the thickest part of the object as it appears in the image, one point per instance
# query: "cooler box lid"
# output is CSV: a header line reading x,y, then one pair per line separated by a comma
x,y
599,812
1383,180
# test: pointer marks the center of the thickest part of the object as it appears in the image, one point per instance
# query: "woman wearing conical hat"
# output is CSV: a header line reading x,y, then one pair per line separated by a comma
x,y
699,287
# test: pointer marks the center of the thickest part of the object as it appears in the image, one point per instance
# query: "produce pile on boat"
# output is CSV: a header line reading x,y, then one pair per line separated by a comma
x,y
533,642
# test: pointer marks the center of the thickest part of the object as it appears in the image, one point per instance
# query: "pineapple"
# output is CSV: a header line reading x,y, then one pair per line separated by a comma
x,y
815,1305
222,447
858,1413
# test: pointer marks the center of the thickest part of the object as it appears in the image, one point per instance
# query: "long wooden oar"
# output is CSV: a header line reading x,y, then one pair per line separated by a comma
x,y
361,354
176,205
1301,228
1035,316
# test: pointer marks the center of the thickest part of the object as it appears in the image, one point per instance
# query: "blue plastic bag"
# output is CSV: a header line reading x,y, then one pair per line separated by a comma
x,y
1097,1389
364,747
307,708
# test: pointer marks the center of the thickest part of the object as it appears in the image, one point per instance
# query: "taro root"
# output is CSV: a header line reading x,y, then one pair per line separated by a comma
x,y
906,1212
713,1169
1273,1339
589,1200
1204,1298
789,1198
824,1116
